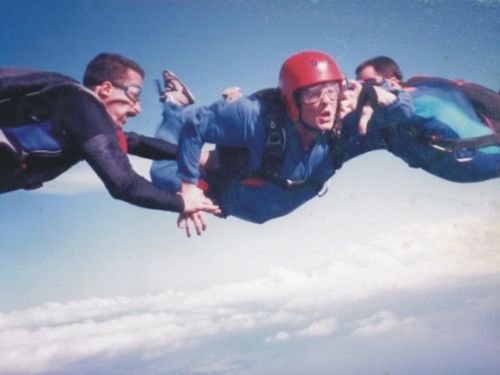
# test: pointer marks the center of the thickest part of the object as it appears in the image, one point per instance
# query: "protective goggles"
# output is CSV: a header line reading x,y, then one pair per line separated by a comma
x,y
133,92
312,95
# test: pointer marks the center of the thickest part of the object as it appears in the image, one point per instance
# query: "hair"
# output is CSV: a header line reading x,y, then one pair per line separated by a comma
x,y
109,67
383,65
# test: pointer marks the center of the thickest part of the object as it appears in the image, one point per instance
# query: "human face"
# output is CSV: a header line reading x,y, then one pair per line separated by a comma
x,y
370,74
122,99
318,105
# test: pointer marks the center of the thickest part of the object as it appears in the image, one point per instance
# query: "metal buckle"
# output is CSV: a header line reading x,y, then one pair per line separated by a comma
x,y
463,158
438,147
290,183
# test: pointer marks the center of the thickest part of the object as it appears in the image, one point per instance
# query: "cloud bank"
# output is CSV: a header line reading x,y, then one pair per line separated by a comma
x,y
382,322
285,304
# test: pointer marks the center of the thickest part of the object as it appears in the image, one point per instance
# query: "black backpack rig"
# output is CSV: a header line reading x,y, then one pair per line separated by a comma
x,y
25,95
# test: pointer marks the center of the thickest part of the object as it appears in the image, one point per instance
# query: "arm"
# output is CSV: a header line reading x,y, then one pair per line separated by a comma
x,y
395,107
92,133
362,129
235,124
150,148
104,155
391,108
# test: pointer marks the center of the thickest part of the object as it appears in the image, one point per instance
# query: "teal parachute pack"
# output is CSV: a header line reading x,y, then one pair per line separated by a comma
x,y
486,103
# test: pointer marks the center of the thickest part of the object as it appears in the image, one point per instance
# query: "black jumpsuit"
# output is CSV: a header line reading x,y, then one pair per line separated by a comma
x,y
81,125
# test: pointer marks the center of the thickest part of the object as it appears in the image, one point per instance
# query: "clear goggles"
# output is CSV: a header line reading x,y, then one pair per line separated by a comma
x,y
133,92
313,94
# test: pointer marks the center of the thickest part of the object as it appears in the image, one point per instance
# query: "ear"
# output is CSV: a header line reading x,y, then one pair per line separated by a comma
x,y
104,90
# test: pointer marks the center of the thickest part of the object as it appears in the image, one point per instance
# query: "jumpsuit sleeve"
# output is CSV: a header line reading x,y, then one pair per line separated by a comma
x,y
93,135
104,155
236,124
149,147
398,112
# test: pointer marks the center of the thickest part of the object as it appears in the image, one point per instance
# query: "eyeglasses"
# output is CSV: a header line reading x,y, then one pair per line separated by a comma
x,y
312,95
133,92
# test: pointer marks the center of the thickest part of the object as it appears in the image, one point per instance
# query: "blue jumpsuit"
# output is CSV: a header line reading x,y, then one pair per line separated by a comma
x,y
440,111
240,124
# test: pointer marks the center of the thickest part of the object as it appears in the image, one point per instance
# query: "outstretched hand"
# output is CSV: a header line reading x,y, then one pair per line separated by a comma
x,y
187,220
194,203
195,200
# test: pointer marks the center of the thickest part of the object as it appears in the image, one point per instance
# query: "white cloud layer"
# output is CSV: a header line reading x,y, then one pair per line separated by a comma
x,y
322,327
382,322
293,304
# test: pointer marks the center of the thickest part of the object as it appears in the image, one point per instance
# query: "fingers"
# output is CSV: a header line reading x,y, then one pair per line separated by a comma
x,y
196,220
350,96
209,206
199,223
345,108
182,223
366,115
195,200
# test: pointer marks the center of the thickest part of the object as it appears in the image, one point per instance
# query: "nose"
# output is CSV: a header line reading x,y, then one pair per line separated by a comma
x,y
324,98
135,109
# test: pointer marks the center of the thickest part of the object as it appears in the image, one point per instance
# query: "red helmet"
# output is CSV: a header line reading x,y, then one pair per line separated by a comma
x,y
305,69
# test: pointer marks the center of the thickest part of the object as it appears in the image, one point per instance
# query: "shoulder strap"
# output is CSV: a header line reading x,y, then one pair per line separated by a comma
x,y
274,123
454,145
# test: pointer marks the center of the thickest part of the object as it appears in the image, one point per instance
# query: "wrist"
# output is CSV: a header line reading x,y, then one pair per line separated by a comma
x,y
187,185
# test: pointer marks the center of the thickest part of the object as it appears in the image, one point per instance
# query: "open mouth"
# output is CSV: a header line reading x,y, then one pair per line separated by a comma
x,y
325,116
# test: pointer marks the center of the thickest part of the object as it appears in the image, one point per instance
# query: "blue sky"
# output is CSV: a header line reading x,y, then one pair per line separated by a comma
x,y
393,271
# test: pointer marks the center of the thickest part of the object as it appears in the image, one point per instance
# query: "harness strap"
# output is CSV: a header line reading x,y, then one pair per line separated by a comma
x,y
274,148
454,145
273,154
338,145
